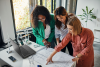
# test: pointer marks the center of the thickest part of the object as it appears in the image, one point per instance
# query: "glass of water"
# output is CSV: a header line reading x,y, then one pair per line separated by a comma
x,y
31,61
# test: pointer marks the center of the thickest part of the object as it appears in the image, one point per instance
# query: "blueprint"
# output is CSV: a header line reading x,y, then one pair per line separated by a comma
x,y
60,59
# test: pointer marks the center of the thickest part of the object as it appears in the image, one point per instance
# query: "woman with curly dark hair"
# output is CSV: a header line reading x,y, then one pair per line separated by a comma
x,y
43,24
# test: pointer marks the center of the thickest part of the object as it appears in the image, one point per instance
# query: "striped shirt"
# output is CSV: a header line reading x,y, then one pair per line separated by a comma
x,y
61,33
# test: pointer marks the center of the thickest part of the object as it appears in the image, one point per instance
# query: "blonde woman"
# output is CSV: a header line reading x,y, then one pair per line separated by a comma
x,y
82,43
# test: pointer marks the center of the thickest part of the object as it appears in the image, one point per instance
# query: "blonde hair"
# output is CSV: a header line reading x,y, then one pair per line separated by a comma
x,y
75,22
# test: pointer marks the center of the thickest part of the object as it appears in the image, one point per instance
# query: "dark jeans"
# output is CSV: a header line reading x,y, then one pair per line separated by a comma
x,y
70,49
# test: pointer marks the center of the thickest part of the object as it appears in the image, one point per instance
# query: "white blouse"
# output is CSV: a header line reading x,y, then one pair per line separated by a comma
x,y
47,31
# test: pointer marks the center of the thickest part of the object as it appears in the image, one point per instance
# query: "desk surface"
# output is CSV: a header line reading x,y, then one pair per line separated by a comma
x,y
22,62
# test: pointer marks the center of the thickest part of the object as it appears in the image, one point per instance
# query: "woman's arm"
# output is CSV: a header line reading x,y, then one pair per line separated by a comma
x,y
57,40
63,43
60,46
36,34
57,35
49,59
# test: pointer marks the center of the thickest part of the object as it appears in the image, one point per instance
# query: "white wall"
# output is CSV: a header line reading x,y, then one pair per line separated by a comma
x,y
6,19
91,4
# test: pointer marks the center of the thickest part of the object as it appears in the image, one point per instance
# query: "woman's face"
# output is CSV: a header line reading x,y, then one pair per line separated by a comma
x,y
71,30
61,18
41,18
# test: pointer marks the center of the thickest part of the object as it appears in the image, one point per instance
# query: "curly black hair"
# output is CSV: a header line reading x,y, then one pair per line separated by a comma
x,y
39,10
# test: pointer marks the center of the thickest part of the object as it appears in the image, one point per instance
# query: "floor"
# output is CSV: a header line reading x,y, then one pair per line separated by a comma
x,y
96,47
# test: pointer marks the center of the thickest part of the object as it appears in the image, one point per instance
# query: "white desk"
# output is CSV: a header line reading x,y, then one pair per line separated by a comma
x,y
21,62
4,55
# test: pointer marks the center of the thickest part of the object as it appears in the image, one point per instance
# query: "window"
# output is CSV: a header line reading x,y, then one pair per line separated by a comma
x,y
23,9
21,13
71,6
49,4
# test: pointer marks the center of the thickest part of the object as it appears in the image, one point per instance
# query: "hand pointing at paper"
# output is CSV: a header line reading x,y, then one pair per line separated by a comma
x,y
49,59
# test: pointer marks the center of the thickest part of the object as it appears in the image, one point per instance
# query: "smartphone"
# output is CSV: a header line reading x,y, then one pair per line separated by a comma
x,y
12,58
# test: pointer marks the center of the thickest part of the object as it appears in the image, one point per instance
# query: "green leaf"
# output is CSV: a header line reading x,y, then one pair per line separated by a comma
x,y
87,9
85,21
91,10
79,15
84,13
90,19
91,14
83,10
82,18
94,17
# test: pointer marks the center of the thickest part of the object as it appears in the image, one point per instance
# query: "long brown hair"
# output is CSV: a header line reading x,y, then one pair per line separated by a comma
x,y
60,11
75,22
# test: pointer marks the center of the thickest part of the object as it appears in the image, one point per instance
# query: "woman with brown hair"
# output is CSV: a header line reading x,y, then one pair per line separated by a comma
x,y
82,43
61,18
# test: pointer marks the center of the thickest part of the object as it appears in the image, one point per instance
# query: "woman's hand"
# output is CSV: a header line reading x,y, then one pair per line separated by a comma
x,y
45,42
49,59
75,59
48,44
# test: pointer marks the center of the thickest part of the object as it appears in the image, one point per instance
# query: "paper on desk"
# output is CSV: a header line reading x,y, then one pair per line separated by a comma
x,y
60,59
25,63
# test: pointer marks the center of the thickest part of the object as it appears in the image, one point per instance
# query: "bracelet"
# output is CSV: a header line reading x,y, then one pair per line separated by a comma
x,y
43,40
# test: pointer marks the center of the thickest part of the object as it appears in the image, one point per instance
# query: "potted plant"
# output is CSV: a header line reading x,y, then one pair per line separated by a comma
x,y
87,15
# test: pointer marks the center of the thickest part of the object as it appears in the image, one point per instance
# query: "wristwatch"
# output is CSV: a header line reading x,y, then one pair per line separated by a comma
x,y
77,56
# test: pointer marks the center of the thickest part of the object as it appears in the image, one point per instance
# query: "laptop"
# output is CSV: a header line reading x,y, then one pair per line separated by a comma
x,y
24,51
